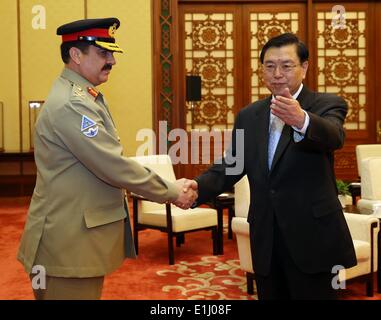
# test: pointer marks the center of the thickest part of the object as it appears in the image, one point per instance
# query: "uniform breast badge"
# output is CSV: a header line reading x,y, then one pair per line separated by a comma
x,y
89,127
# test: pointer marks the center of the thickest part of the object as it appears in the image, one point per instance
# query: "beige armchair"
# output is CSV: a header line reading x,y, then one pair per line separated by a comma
x,y
366,151
363,151
240,227
364,230
370,202
166,217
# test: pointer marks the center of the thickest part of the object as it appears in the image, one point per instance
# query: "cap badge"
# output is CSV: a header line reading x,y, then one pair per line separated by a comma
x,y
112,30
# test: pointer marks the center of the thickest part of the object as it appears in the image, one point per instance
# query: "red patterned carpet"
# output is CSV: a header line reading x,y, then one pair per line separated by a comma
x,y
197,274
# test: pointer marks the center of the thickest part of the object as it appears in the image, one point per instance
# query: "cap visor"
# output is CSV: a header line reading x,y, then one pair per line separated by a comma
x,y
109,46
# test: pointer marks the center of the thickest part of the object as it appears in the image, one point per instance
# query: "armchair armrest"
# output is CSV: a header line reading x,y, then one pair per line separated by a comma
x,y
360,226
240,226
136,207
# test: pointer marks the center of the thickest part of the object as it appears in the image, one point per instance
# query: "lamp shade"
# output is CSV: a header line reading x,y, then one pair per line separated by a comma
x,y
193,88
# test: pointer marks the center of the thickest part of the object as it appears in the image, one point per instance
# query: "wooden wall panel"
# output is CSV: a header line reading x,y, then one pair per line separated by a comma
x,y
9,94
40,56
347,64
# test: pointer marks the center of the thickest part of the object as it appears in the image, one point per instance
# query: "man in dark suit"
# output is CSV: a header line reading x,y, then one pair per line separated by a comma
x,y
297,228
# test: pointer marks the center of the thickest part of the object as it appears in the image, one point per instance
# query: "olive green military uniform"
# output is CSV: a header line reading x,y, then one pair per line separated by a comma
x,y
78,224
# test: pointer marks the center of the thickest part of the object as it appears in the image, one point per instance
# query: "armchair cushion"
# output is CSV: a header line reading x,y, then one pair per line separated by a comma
x,y
362,249
365,151
182,220
360,229
371,178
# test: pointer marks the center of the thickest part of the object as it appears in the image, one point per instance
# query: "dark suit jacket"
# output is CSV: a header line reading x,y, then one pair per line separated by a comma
x,y
299,190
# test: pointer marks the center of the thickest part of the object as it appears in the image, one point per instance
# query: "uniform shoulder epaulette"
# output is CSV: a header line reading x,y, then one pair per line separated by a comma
x,y
77,91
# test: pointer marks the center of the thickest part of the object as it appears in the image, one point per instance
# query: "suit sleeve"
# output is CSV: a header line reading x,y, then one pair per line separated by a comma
x,y
102,154
223,175
325,132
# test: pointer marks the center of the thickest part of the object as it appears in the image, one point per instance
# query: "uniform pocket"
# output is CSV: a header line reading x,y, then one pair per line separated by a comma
x,y
326,207
104,215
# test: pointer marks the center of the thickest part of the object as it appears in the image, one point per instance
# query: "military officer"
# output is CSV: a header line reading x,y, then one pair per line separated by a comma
x,y
78,227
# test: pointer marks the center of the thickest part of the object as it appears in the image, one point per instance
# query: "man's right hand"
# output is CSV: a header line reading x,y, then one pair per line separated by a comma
x,y
188,193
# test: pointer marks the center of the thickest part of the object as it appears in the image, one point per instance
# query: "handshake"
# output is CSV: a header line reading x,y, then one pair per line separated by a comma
x,y
188,193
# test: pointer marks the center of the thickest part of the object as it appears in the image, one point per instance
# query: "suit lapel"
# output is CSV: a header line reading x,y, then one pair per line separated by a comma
x,y
304,98
284,140
261,119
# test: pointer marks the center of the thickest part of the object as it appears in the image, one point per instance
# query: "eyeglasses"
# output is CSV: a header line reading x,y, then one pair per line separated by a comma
x,y
284,68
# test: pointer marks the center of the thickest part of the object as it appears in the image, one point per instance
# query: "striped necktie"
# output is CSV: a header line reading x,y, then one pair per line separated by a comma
x,y
275,130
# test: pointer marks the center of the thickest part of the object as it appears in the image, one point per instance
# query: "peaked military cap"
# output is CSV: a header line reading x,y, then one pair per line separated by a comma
x,y
100,32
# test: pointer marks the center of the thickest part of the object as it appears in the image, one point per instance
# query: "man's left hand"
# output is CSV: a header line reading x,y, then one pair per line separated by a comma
x,y
288,109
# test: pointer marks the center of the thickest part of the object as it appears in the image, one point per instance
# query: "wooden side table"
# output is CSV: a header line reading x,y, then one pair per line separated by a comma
x,y
224,201
17,173
355,190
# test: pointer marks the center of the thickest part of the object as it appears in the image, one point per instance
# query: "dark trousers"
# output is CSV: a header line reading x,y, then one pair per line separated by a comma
x,y
285,281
